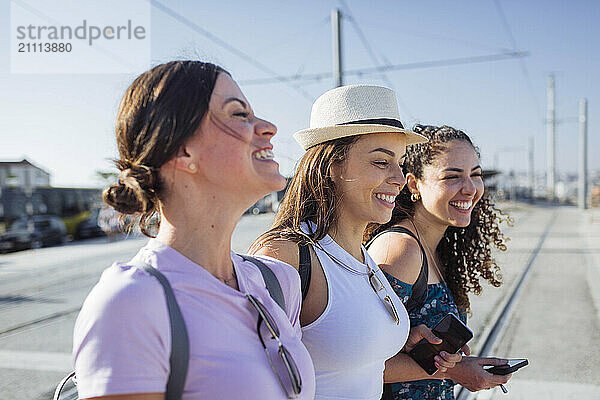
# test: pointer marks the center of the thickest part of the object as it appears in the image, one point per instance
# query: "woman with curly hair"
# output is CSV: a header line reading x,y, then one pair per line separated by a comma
x,y
445,222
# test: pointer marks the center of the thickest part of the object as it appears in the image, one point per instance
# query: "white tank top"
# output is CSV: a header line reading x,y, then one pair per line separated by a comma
x,y
350,342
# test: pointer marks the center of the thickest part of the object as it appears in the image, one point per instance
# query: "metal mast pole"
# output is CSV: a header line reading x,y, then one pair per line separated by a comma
x,y
582,193
550,145
336,26
531,170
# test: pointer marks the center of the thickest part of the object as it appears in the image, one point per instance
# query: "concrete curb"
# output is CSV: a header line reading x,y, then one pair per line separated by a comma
x,y
590,230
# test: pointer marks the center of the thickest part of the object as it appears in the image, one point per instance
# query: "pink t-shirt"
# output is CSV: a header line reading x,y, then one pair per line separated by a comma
x,y
122,338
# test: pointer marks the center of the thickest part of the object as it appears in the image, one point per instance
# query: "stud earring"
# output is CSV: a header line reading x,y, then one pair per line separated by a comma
x,y
415,197
192,167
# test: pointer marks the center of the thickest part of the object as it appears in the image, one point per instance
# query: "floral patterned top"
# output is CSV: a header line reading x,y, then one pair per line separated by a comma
x,y
438,303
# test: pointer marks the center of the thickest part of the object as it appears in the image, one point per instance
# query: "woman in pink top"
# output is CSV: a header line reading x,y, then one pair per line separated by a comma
x,y
193,158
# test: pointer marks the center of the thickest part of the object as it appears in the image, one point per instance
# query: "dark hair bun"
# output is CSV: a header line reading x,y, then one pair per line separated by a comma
x,y
135,190
159,112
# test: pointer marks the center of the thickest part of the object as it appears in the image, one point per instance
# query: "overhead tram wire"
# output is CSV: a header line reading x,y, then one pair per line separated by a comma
x,y
397,67
185,21
511,38
311,47
374,57
513,43
363,38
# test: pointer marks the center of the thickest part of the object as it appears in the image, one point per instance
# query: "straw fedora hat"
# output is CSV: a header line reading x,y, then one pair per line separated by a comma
x,y
354,110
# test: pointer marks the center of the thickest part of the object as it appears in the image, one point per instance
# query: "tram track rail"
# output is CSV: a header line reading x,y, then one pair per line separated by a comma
x,y
497,327
34,294
54,293
35,322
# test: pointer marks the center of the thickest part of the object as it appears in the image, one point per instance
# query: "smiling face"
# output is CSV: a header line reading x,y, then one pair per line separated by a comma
x,y
232,146
369,179
450,186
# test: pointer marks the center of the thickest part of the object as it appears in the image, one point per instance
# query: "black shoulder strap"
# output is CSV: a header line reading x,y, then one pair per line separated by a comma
x,y
419,289
180,344
273,286
304,268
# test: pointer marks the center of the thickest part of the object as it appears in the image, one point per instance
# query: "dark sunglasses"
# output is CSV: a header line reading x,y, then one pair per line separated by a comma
x,y
293,385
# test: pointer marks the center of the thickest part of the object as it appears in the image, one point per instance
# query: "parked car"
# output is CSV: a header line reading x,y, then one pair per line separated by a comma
x,y
15,239
33,232
89,227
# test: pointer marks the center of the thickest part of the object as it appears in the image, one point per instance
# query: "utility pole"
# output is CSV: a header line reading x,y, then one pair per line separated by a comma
x,y
550,140
2,222
531,170
582,193
336,27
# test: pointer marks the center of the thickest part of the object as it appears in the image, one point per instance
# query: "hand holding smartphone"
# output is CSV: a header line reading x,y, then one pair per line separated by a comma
x,y
454,335
512,366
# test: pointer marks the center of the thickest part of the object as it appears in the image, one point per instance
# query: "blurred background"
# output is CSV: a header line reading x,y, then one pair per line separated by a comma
x,y
521,78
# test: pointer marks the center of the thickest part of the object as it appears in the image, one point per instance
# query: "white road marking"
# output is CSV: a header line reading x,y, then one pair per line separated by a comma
x,y
36,360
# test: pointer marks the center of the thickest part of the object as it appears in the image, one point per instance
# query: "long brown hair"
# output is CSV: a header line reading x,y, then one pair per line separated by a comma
x,y
465,253
161,109
311,195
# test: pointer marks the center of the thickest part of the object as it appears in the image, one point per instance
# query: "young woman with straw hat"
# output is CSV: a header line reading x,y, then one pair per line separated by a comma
x,y
350,175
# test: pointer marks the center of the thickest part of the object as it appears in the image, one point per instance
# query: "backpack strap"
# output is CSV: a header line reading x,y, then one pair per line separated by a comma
x,y
304,268
273,286
419,288
180,344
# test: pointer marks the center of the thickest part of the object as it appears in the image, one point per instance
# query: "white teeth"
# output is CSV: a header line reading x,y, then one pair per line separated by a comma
x,y
266,154
386,197
463,205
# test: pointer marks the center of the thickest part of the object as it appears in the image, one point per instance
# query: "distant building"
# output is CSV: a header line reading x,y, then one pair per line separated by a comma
x,y
25,190
23,174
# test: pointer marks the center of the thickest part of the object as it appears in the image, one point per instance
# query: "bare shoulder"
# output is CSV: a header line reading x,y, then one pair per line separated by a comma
x,y
398,254
280,249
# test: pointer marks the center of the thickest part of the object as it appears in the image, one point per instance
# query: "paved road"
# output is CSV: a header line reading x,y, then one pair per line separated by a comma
x,y
41,292
555,321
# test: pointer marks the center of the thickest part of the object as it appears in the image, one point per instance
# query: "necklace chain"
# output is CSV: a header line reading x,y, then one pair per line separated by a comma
x,y
436,266
371,274
336,260
433,260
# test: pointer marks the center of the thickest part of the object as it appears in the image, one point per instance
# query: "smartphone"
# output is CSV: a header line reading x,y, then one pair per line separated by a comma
x,y
511,367
454,335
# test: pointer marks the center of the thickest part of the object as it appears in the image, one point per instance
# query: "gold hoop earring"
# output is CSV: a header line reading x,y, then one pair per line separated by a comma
x,y
415,197
192,167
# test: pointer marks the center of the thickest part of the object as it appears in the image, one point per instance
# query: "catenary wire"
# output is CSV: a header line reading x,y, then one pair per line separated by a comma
x,y
522,64
195,27
374,57
448,62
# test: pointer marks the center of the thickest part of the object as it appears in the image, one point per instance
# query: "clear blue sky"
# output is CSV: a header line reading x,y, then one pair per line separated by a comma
x,y
65,123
